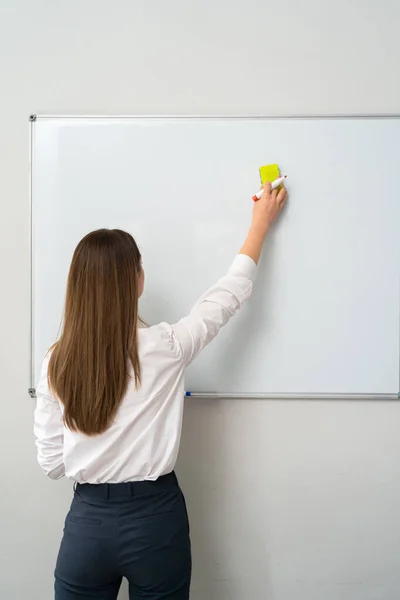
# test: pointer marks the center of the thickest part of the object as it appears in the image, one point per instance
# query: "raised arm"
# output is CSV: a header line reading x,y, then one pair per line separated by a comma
x,y
214,309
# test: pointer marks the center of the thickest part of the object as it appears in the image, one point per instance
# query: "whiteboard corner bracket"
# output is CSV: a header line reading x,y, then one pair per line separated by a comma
x,y
32,118
32,392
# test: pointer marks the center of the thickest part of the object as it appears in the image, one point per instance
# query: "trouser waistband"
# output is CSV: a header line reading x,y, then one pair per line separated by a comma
x,y
123,490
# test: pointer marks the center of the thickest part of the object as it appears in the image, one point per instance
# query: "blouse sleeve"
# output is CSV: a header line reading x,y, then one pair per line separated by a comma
x,y
215,308
48,429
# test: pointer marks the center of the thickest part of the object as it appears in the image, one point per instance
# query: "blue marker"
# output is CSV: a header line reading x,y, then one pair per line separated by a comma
x,y
187,394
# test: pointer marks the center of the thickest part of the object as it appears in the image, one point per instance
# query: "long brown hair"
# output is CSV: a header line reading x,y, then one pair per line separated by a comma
x,y
89,365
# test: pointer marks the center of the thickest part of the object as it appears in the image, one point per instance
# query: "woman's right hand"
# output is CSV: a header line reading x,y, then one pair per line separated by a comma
x,y
265,211
268,207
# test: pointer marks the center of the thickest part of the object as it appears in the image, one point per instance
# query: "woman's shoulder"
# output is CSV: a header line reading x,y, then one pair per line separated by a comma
x,y
43,383
46,360
160,337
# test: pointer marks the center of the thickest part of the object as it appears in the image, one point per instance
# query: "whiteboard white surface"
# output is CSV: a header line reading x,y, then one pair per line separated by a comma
x,y
324,317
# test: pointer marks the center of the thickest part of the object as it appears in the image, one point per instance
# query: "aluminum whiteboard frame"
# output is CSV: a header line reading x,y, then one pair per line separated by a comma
x,y
33,118
31,389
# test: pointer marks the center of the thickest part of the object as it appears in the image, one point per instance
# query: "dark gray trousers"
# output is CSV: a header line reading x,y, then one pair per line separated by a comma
x,y
136,530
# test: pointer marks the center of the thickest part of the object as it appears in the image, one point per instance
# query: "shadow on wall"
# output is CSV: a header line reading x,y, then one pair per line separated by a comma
x,y
218,473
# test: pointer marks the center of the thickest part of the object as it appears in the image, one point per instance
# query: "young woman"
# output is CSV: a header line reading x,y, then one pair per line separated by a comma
x,y
109,416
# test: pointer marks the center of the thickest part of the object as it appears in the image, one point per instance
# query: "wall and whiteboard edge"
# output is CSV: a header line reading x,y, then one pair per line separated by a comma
x,y
31,389
33,119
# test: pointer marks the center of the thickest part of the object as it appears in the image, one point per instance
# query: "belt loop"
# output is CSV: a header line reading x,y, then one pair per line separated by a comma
x,y
107,491
131,485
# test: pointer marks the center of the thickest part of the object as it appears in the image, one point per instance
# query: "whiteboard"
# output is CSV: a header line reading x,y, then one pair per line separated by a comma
x,y
324,316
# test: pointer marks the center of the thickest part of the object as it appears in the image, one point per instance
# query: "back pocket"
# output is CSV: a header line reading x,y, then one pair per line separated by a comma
x,y
84,521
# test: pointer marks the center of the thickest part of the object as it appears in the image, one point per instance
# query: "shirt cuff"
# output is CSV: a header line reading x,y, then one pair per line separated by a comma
x,y
244,265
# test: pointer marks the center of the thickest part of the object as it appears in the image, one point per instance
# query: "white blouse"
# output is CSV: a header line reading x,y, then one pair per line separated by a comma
x,y
143,441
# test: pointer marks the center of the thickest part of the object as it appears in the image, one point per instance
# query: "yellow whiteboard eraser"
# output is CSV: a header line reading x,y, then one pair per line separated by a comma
x,y
269,173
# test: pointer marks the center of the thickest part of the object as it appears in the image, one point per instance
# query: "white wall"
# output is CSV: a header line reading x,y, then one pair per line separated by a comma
x,y
330,471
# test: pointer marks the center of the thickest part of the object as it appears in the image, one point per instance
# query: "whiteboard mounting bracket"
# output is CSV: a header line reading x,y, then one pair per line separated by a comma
x,y
32,392
32,118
